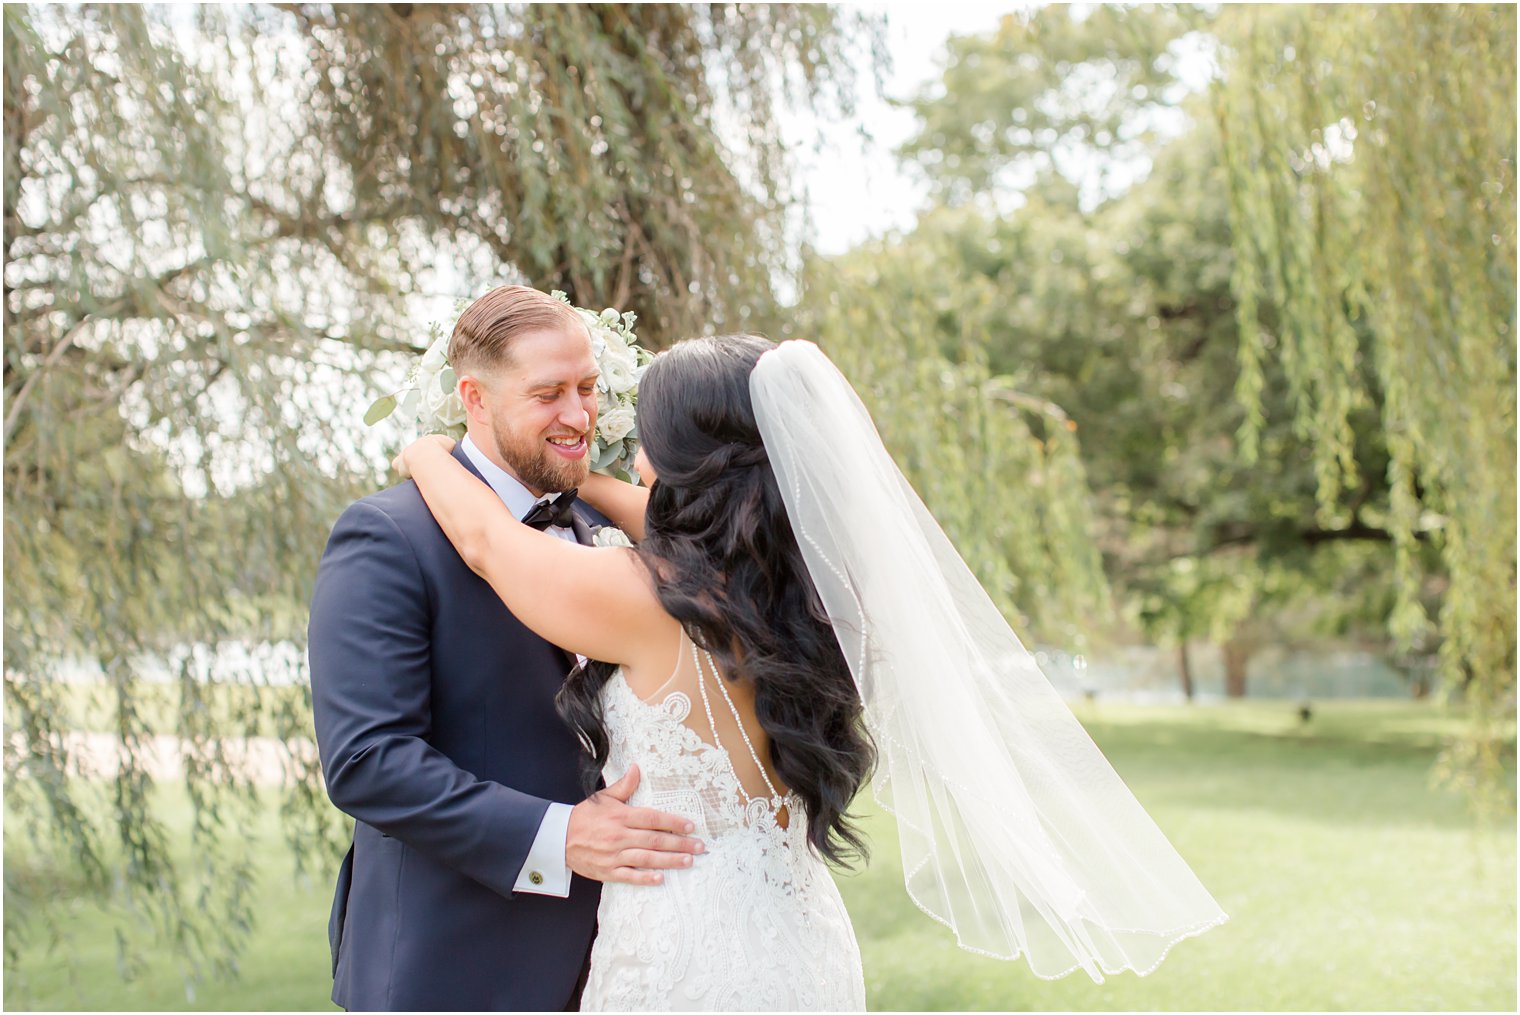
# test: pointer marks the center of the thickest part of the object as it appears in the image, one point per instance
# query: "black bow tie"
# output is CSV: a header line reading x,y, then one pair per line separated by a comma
x,y
551,512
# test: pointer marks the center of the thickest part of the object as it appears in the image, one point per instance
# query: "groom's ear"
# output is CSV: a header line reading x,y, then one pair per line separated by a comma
x,y
473,393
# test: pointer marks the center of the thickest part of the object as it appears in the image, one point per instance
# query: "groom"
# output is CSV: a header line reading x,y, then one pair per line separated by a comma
x,y
435,716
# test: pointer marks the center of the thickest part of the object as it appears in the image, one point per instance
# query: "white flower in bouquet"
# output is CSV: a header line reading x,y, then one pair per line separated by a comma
x,y
619,363
437,356
440,408
616,423
608,535
433,391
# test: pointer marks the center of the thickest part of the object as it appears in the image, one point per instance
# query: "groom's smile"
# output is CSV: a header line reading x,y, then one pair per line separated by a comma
x,y
571,446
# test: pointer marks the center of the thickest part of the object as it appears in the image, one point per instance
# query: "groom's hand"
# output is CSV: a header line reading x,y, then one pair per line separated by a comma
x,y
609,841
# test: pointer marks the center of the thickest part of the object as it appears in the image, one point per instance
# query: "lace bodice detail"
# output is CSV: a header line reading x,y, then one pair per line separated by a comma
x,y
756,922
687,762
686,775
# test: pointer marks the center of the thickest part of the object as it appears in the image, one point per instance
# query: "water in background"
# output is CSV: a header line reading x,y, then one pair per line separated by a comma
x,y
1138,674
239,662
1143,674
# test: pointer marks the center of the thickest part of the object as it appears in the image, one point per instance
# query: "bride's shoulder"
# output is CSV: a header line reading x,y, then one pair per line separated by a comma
x,y
652,664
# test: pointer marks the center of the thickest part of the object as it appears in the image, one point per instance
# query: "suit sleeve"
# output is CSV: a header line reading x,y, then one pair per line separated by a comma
x,y
371,674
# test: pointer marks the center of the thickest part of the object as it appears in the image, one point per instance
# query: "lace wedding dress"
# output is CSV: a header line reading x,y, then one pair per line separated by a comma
x,y
756,922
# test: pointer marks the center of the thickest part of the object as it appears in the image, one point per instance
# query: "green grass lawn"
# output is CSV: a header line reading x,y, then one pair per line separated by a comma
x,y
1351,883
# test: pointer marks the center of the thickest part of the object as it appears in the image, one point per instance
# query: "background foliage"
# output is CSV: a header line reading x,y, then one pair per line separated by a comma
x,y
1379,269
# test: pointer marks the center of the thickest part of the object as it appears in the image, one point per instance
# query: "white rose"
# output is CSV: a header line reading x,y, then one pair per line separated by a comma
x,y
619,364
436,357
615,425
607,535
609,339
440,406
593,325
451,412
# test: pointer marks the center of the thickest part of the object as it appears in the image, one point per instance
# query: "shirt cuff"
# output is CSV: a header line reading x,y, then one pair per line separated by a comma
x,y
545,871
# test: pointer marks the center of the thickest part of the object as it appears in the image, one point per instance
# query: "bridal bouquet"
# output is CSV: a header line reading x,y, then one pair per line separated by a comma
x,y
432,392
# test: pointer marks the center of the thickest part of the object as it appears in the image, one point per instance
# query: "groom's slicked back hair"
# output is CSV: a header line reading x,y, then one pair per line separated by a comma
x,y
483,335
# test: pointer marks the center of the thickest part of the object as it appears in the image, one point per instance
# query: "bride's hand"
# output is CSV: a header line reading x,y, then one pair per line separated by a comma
x,y
624,503
400,462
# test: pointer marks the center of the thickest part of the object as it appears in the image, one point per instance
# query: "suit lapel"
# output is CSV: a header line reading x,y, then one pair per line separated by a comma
x,y
580,528
464,459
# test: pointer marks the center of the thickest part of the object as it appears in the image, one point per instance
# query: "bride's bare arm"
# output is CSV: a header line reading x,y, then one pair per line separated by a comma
x,y
622,502
555,587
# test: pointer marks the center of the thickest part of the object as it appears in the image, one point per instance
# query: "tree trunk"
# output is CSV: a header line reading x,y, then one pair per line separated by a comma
x,y
1185,670
1236,656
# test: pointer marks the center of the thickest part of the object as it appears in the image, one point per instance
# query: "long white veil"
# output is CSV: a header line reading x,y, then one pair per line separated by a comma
x,y
1016,832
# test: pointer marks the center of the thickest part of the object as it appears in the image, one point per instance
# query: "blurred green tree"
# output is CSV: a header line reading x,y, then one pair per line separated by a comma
x,y
212,220
1371,166
1116,304
999,469
1055,90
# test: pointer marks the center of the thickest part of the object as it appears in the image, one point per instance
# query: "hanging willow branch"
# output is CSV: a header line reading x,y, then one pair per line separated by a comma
x,y
1001,470
1371,159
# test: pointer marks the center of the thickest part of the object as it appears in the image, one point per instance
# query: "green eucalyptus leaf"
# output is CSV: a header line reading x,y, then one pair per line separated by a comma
x,y
379,409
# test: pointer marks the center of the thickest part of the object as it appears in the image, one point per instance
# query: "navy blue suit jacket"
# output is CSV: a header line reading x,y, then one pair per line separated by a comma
x,y
435,720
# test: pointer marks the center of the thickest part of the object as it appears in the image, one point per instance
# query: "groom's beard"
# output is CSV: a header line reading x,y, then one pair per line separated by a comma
x,y
538,467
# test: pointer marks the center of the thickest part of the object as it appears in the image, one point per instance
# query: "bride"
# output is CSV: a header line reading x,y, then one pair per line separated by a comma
x,y
791,620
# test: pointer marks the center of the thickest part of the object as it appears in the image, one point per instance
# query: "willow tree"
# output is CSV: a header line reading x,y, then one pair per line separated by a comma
x,y
1371,160
998,467
213,221
1054,90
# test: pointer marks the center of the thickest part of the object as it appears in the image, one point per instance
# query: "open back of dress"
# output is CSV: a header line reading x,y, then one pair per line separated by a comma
x,y
721,732
756,922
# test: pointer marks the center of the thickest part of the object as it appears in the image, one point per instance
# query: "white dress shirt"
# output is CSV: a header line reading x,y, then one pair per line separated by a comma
x,y
545,871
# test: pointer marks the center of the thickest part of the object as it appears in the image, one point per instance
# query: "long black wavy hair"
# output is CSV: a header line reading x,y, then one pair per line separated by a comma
x,y
726,564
